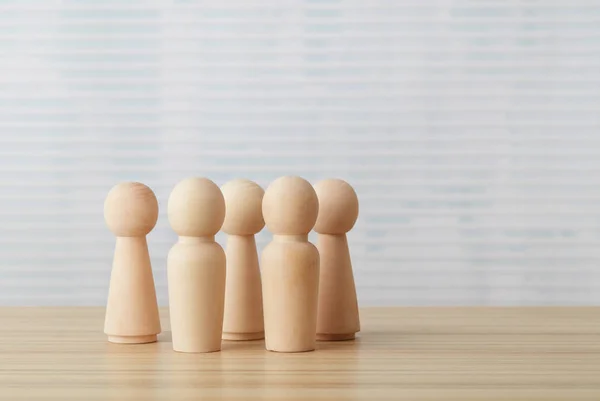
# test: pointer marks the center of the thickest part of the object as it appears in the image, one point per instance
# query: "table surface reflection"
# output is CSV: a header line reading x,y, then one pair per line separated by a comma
x,y
416,353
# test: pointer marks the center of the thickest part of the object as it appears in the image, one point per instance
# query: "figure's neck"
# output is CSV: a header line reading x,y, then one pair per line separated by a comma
x,y
141,239
342,235
290,238
196,240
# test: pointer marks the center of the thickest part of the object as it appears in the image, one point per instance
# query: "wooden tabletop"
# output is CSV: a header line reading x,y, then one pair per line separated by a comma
x,y
402,353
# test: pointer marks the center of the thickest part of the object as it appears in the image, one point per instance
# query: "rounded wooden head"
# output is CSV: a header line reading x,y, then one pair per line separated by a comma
x,y
130,209
196,208
290,206
243,207
338,207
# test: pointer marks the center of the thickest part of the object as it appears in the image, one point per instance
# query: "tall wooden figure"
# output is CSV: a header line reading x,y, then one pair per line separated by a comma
x,y
290,266
338,307
196,266
243,295
131,211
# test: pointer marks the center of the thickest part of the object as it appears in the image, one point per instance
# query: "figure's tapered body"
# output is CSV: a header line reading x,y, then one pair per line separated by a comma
x,y
290,293
132,317
196,276
243,297
338,317
290,266
338,307
196,266
132,311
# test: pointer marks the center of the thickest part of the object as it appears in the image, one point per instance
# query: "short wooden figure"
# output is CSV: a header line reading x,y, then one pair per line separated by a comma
x,y
196,266
290,266
131,211
243,294
338,307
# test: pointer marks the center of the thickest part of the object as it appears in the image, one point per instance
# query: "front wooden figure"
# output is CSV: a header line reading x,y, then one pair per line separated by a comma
x,y
196,266
290,266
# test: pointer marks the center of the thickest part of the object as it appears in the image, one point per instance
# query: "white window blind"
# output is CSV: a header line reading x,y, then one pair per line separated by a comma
x,y
470,130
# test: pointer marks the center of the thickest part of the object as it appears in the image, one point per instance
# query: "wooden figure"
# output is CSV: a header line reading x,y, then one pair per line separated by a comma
x,y
243,295
196,266
290,266
131,211
338,307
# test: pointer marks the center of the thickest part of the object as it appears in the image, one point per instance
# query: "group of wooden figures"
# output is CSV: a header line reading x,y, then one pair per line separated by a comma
x,y
301,293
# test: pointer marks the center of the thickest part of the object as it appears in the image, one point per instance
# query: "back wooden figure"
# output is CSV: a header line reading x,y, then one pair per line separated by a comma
x,y
243,294
131,211
338,307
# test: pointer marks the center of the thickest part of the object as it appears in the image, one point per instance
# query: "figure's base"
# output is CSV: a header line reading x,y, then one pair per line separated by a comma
x,y
133,339
196,350
335,337
243,336
290,352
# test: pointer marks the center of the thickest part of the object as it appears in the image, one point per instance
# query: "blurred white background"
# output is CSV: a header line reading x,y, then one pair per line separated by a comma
x,y
470,130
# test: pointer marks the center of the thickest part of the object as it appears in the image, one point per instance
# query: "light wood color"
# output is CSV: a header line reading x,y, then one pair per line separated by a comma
x,y
131,212
196,266
460,354
243,291
337,317
290,266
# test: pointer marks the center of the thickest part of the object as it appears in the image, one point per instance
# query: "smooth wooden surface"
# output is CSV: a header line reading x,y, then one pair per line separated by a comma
x,y
196,266
401,354
290,266
131,212
243,319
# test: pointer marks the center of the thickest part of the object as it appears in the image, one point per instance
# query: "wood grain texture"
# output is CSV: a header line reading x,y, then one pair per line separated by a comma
x,y
402,353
